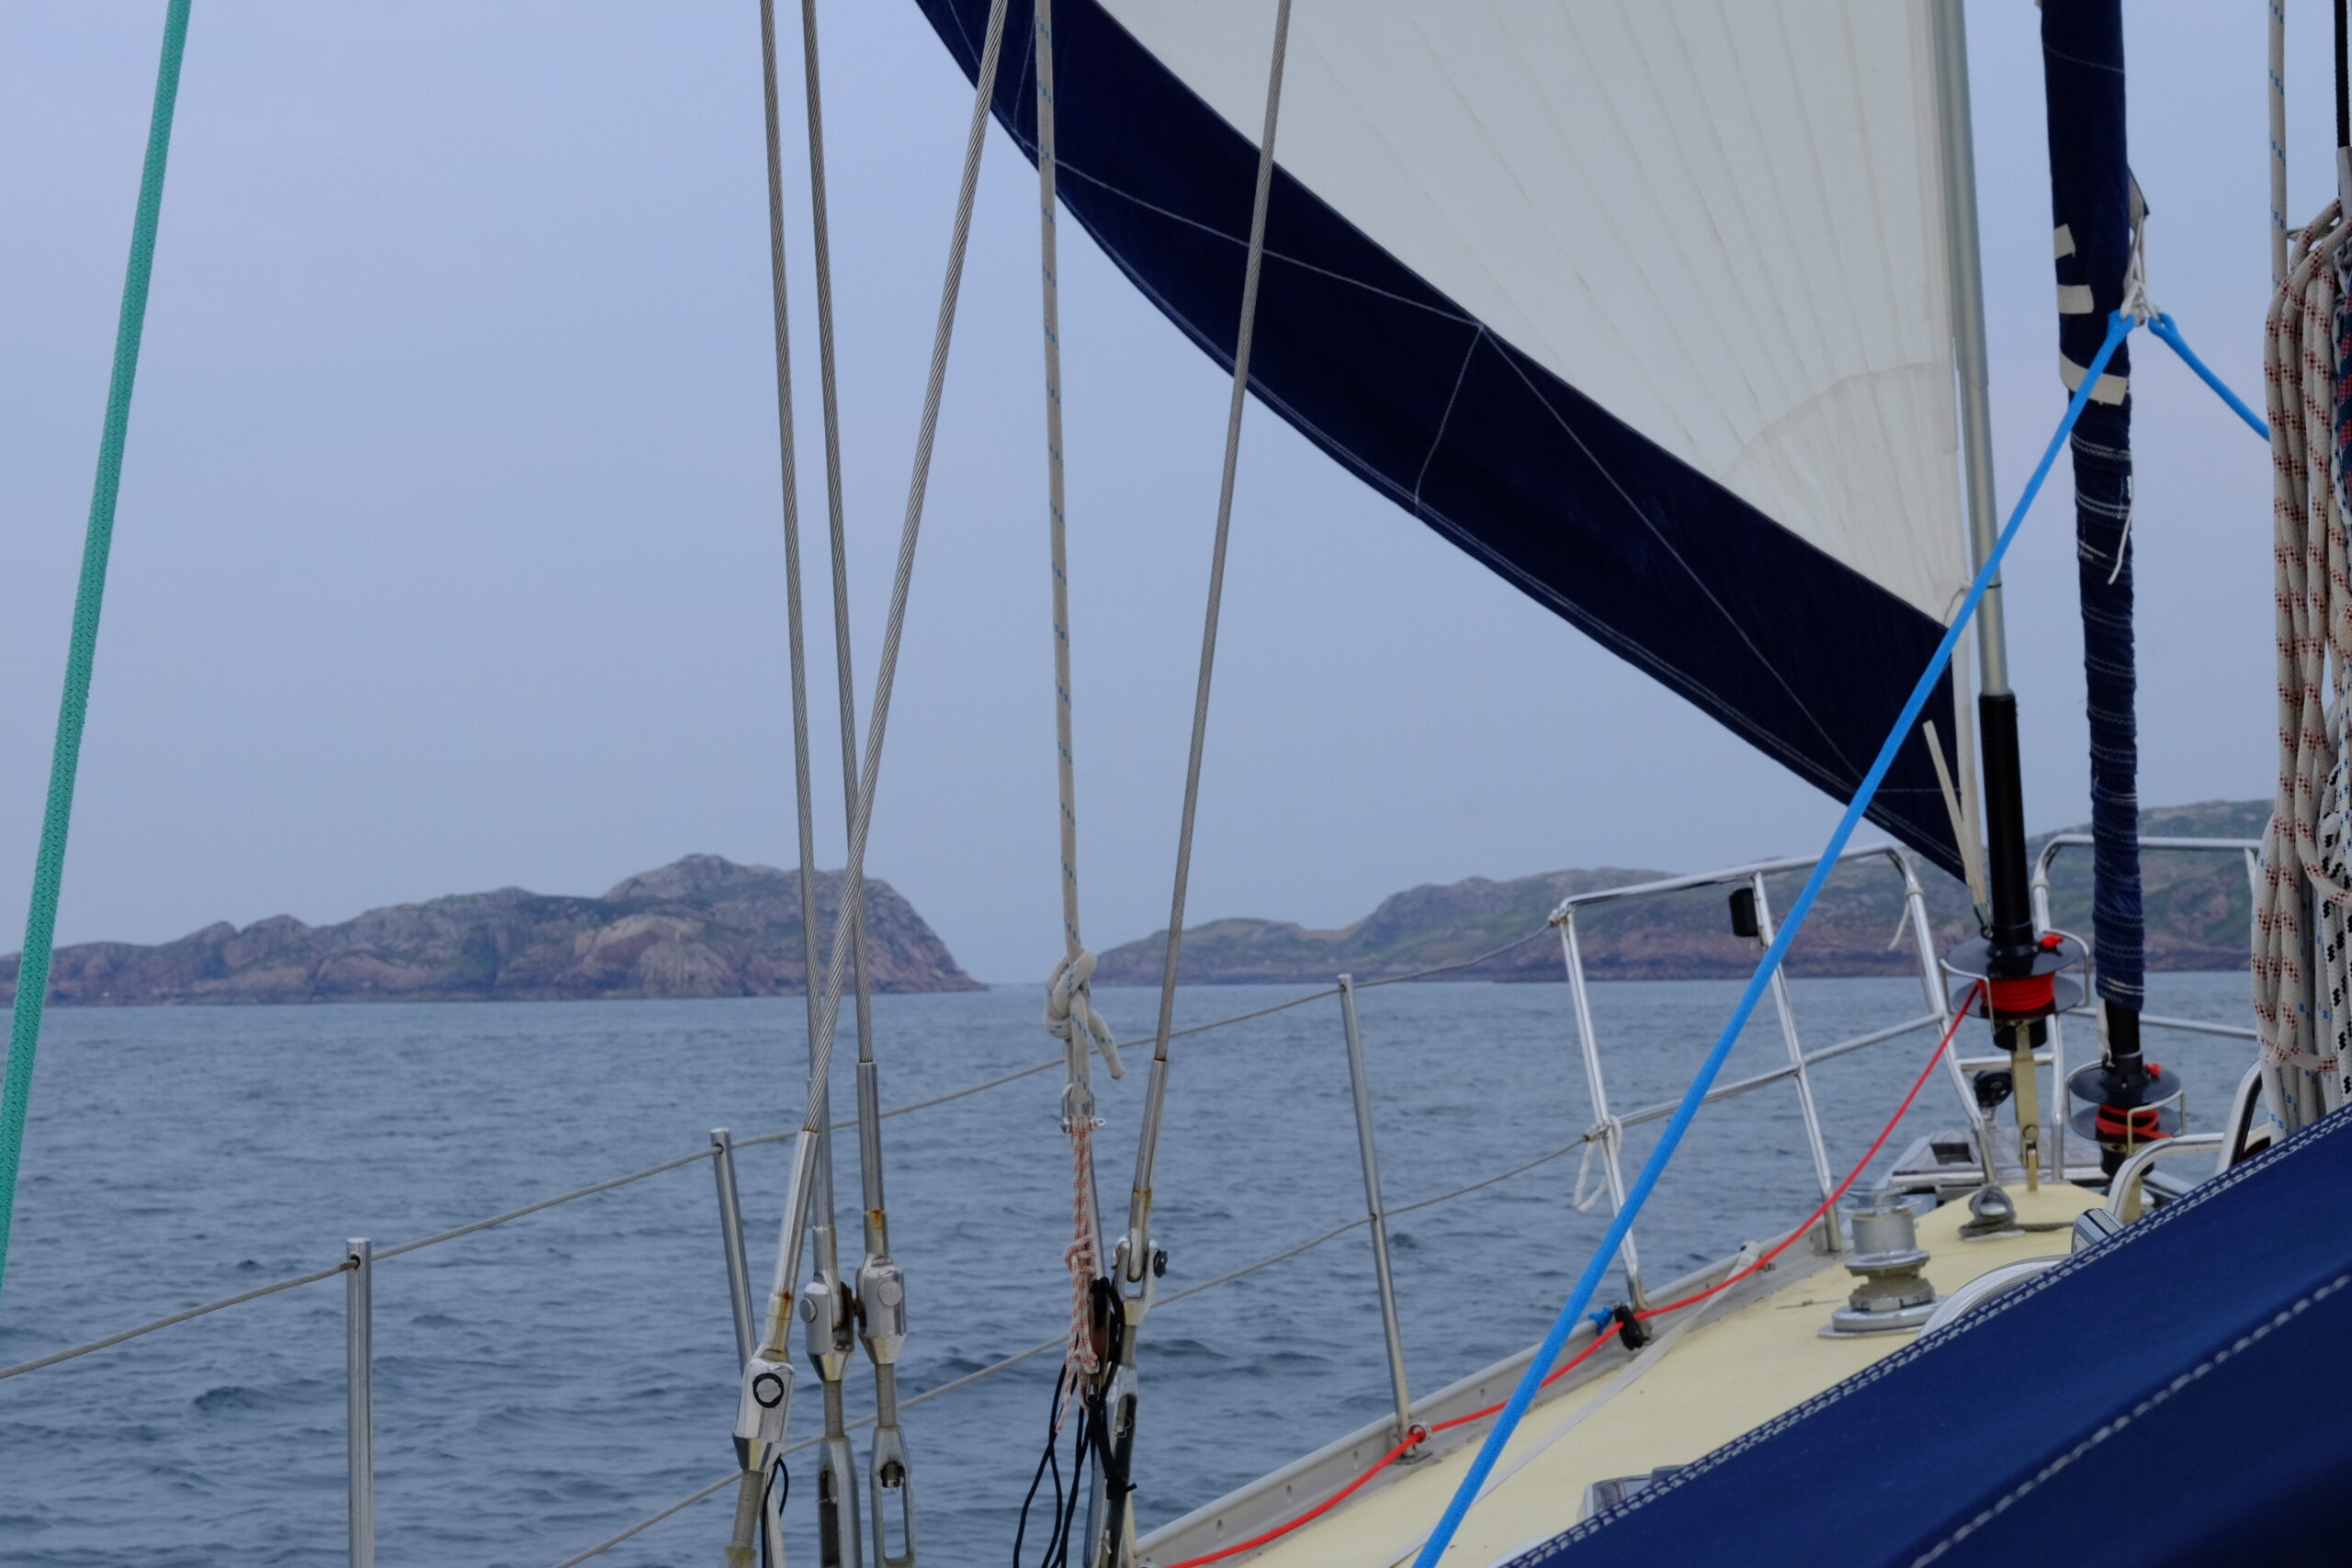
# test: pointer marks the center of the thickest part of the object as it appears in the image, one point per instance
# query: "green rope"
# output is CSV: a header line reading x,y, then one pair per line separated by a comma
x,y
49,869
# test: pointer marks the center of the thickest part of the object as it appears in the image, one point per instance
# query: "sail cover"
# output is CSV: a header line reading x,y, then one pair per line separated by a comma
x,y
1643,303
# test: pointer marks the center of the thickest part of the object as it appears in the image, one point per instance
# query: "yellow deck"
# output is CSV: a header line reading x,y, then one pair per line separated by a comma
x,y
1716,1379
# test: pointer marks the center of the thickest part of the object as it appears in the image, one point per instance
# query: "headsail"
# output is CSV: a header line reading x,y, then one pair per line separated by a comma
x,y
1643,305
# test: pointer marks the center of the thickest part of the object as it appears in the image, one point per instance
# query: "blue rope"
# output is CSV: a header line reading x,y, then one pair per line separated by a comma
x,y
2165,327
2118,326
49,866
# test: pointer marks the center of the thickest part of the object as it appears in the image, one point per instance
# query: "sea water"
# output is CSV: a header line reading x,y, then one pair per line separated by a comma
x,y
543,1384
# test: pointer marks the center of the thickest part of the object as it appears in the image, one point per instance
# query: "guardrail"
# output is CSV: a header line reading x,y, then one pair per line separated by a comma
x,y
1750,878
2057,1053
360,1257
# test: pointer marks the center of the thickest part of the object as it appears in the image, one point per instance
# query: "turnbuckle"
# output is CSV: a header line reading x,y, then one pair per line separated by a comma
x,y
760,1411
825,1320
892,1484
882,1324
1121,1398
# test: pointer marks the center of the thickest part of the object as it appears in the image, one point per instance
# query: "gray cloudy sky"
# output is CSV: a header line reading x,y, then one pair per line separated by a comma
x,y
449,554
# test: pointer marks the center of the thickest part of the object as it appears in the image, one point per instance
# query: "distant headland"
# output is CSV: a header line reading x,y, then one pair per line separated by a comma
x,y
707,927
700,927
2199,914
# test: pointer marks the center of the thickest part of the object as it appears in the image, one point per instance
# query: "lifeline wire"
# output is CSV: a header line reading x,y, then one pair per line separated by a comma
x,y
1604,1330
49,866
1515,1409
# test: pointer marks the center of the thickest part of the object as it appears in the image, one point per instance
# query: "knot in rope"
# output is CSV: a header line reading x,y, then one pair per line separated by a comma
x,y
2136,303
1069,1008
1071,1019
1607,1133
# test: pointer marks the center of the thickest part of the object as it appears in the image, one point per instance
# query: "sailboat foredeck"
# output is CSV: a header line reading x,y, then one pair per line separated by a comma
x,y
1754,1354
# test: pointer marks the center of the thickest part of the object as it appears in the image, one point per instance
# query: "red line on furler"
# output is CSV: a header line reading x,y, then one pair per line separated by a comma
x,y
1600,1337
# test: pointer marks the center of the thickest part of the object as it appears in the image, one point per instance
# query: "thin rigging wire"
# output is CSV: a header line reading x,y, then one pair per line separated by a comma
x,y
845,696
861,806
1148,1145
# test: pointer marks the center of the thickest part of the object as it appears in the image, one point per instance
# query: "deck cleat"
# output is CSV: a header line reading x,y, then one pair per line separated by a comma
x,y
1992,1213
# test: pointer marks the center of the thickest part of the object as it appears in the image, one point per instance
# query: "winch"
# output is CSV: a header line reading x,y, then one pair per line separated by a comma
x,y
1890,1293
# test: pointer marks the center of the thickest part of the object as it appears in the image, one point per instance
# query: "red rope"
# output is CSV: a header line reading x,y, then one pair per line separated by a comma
x,y
1859,1165
2034,993
1334,1500
1598,1339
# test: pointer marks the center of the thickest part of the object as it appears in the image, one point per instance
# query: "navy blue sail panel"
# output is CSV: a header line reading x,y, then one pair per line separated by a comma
x,y
2169,1397
2090,192
1798,653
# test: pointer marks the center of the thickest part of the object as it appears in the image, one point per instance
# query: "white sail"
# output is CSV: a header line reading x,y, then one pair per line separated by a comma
x,y
1723,221
1644,303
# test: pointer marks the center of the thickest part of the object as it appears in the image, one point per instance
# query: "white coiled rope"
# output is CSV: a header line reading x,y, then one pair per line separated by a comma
x,y
2302,994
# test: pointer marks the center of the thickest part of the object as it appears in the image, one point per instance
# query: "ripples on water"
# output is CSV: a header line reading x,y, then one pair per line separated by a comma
x,y
541,1385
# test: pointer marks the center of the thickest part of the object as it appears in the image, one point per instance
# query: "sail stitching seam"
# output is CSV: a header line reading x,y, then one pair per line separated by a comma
x,y
1064,165
1446,418
2185,1379
1680,560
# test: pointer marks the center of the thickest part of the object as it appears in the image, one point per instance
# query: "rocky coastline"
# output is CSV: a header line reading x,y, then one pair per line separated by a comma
x,y
703,926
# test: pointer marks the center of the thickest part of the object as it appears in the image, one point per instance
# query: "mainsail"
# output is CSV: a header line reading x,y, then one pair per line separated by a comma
x,y
1645,305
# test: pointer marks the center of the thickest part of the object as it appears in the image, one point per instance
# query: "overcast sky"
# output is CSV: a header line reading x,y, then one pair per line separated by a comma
x,y
449,554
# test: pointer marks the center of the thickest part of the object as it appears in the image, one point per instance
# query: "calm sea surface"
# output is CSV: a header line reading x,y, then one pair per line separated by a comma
x,y
543,1384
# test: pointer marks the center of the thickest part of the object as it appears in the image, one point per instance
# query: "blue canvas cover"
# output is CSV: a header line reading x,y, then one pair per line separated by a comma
x,y
2174,1395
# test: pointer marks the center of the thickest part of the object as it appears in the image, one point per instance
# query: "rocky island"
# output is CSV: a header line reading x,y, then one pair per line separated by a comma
x,y
701,927
2199,913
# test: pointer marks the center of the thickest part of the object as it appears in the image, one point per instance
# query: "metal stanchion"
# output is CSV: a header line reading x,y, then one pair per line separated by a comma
x,y
1611,1135
1373,1208
731,1229
359,1382
1815,1145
